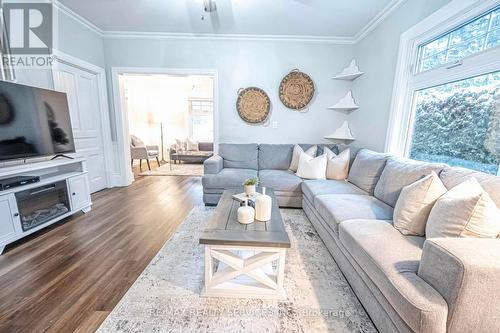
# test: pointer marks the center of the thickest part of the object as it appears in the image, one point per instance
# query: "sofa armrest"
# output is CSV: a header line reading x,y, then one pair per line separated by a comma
x,y
213,165
138,153
157,148
466,272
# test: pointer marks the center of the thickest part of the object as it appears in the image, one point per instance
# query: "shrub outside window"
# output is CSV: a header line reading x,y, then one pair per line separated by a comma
x,y
459,124
451,102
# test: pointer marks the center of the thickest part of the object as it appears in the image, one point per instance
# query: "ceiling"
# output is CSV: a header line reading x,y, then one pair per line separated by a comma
x,y
318,18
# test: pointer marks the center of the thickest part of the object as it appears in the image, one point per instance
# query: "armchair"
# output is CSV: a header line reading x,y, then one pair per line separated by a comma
x,y
140,151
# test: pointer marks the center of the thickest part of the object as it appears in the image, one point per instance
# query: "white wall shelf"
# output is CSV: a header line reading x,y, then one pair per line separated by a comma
x,y
349,73
343,133
347,103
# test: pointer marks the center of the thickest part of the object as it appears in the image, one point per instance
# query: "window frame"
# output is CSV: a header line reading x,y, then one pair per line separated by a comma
x,y
191,112
407,82
450,32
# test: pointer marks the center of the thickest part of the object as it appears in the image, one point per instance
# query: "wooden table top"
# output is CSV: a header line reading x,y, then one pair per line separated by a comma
x,y
224,228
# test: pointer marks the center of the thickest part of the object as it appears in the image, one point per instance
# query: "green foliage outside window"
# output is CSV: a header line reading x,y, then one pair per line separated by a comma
x,y
459,124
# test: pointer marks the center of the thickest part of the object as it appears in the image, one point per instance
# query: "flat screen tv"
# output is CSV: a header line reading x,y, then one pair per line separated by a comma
x,y
34,122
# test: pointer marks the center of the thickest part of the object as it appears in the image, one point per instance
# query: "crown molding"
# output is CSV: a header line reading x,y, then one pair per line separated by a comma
x,y
78,18
377,20
349,40
240,37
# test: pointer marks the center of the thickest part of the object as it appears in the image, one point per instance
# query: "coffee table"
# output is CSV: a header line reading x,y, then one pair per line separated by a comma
x,y
198,156
244,261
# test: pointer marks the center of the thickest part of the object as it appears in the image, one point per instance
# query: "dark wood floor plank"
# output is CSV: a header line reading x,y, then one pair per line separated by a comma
x,y
69,276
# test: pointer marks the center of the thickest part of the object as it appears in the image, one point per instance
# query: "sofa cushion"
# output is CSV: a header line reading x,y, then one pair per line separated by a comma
x,y
280,180
337,208
297,151
279,156
206,146
415,203
228,178
239,156
313,188
275,157
464,211
312,167
451,177
353,152
337,167
366,169
399,173
391,261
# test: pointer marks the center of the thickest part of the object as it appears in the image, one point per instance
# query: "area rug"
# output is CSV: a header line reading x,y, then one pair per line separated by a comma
x,y
177,170
165,297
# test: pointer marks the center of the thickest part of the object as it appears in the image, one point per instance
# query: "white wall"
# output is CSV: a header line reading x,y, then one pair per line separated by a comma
x,y
79,41
377,56
263,64
250,63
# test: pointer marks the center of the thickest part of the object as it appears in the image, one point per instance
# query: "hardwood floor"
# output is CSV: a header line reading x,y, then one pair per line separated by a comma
x,y
136,168
70,276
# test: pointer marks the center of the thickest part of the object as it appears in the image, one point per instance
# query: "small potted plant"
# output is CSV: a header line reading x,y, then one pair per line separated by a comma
x,y
249,186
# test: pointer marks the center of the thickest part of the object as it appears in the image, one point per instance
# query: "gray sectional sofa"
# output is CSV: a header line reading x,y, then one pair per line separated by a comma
x,y
236,162
405,283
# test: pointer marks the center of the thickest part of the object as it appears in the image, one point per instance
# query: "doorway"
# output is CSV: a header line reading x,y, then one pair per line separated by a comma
x,y
173,115
84,85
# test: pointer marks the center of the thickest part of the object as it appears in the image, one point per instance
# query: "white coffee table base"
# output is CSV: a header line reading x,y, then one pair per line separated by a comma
x,y
244,272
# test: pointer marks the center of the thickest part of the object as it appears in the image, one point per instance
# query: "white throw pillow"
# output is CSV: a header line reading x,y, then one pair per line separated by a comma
x,y
415,204
337,167
192,145
312,167
180,144
464,211
297,150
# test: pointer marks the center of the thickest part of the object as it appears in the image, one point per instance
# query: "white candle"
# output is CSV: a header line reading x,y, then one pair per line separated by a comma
x,y
246,214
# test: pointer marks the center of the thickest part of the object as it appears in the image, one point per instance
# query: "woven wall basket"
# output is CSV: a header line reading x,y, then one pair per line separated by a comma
x,y
296,90
253,105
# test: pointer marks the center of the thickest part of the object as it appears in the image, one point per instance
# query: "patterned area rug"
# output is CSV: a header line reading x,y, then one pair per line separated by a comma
x,y
177,170
165,298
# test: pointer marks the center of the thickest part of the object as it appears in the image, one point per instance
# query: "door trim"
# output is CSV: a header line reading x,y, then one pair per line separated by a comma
x,y
112,177
121,117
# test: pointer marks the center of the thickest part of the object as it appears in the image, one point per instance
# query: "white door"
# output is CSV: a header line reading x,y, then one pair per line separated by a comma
x,y
83,98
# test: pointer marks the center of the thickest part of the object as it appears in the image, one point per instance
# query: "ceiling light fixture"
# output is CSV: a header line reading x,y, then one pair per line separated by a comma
x,y
209,6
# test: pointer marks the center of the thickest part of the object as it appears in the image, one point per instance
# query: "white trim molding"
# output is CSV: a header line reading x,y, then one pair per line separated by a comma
x,y
406,82
109,155
121,117
341,40
378,19
236,37
78,18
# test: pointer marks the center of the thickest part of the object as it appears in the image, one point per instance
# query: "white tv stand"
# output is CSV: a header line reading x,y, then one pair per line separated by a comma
x,y
63,184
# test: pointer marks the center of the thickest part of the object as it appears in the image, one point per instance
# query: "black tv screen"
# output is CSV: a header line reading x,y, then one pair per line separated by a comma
x,y
34,122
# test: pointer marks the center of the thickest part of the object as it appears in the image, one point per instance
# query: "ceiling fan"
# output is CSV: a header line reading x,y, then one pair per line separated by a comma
x,y
209,6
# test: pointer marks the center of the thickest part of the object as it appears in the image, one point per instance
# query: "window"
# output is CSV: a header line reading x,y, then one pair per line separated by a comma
x,y
475,36
459,124
201,124
447,108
